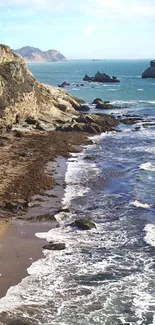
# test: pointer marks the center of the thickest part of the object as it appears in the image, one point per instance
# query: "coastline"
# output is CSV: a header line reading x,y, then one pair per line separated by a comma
x,y
19,247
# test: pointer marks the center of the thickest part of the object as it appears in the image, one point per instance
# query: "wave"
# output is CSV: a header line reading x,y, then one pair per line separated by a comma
x,y
147,166
150,234
139,204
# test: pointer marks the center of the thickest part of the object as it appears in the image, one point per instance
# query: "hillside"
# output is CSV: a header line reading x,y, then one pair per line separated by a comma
x,y
32,54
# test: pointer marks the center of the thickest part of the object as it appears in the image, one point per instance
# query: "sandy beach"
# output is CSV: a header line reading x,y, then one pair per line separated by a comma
x,y
32,173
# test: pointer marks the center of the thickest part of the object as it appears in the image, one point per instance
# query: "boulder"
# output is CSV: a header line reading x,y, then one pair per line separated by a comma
x,y
30,120
55,246
84,224
44,217
149,72
83,108
100,104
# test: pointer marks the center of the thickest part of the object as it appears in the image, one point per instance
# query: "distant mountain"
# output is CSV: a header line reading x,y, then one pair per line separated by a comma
x,y
32,54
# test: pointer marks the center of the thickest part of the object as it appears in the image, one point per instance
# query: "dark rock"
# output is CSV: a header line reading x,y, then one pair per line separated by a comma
x,y
44,217
18,322
17,119
30,120
39,126
101,77
9,128
152,64
149,72
100,104
82,85
129,121
63,210
55,246
96,100
137,128
65,83
84,224
14,207
18,134
87,78
89,158
83,108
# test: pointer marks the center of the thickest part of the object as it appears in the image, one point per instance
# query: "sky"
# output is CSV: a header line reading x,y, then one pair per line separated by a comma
x,y
81,29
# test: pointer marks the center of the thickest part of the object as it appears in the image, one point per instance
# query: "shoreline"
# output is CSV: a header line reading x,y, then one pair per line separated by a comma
x,y
19,247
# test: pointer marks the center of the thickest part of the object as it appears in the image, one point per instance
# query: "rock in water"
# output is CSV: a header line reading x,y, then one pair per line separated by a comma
x,y
55,246
101,77
65,83
84,224
149,72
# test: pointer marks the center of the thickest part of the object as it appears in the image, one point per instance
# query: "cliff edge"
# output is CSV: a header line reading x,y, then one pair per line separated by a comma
x,y
23,99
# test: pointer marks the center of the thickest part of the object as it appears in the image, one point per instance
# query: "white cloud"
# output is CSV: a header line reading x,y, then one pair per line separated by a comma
x,y
121,8
97,8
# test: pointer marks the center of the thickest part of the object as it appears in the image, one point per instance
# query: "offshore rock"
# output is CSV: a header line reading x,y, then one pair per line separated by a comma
x,y
65,83
149,72
84,224
101,77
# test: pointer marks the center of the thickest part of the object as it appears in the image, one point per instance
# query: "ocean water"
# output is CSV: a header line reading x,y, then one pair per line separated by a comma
x,y
105,275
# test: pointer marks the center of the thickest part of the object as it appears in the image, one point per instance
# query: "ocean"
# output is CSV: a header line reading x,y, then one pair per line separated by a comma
x,y
105,275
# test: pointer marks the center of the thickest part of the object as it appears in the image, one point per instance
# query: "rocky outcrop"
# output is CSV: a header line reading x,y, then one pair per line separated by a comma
x,y
22,96
32,54
149,72
65,83
54,246
91,123
27,103
83,224
101,77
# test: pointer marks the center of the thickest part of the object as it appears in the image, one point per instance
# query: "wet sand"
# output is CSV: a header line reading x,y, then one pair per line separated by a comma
x,y
37,179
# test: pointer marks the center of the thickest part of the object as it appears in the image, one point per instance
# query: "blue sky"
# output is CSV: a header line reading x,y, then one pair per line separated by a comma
x,y
81,28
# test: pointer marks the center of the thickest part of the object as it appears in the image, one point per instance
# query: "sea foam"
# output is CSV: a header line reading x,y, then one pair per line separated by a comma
x,y
147,166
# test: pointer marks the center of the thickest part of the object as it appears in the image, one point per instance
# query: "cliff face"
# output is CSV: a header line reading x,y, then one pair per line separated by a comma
x,y
25,101
149,72
21,94
32,54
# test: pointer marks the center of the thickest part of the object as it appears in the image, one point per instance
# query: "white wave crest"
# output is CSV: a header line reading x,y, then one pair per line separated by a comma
x,y
138,204
147,166
150,234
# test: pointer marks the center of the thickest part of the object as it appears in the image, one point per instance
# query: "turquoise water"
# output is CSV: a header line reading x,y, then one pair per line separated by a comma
x,y
131,87
106,275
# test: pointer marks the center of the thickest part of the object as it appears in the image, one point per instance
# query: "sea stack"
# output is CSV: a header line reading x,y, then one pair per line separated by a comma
x,y
149,72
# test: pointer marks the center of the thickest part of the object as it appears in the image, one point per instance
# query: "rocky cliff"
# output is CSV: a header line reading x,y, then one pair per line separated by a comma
x,y
24,100
149,72
32,54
